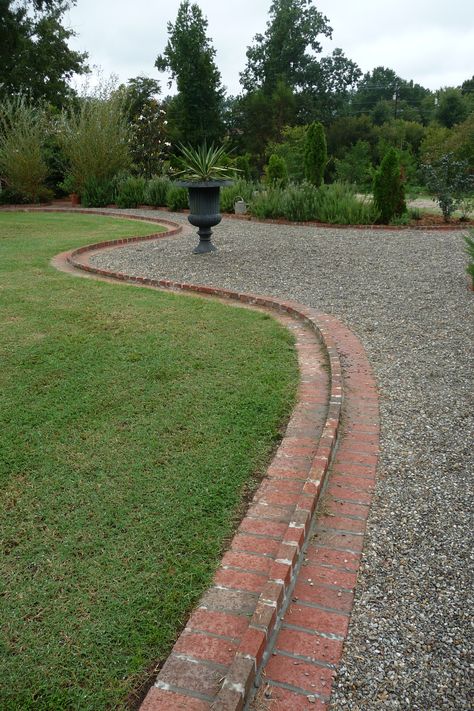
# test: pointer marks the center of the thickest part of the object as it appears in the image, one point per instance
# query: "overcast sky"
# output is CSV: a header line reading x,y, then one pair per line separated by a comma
x,y
429,41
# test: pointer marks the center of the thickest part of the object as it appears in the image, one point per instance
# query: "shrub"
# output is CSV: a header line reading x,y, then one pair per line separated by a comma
x,y
334,204
177,198
94,139
449,182
22,129
469,239
131,192
156,190
337,204
291,149
315,155
241,188
276,172
389,191
267,204
97,192
356,166
300,202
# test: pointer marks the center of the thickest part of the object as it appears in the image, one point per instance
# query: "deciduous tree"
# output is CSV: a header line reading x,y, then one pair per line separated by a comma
x,y
34,54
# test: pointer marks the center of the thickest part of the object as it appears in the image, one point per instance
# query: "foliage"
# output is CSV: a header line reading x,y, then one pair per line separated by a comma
x,y
115,509
281,54
300,202
469,239
177,198
22,165
156,191
97,192
383,94
189,56
148,145
243,163
34,54
333,204
260,117
276,172
389,191
204,163
94,138
453,108
131,192
239,189
328,88
345,131
315,156
338,205
448,181
356,166
291,149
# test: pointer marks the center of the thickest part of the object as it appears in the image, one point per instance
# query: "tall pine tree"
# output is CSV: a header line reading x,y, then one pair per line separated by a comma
x,y
195,113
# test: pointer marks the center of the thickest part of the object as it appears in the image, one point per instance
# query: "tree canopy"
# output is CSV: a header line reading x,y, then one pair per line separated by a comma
x,y
35,58
189,57
280,55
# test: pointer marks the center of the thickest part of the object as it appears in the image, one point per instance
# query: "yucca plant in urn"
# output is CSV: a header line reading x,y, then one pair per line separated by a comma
x,y
204,171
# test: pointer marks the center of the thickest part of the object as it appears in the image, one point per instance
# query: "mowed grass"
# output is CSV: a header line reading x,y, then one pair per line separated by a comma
x,y
132,423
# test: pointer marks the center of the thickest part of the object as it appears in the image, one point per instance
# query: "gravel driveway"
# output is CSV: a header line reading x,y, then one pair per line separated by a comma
x,y
405,295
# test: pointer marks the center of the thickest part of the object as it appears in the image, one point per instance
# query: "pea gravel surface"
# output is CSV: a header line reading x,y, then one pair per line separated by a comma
x,y
404,293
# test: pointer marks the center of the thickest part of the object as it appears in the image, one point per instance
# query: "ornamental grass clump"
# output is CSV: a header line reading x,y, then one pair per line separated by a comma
x,y
131,192
239,189
22,135
94,140
177,198
156,191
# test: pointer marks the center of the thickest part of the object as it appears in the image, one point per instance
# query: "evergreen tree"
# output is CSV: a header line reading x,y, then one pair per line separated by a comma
x,y
195,114
281,54
389,191
315,157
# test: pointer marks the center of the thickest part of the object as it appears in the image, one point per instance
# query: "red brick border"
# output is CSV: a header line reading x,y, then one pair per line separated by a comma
x,y
221,653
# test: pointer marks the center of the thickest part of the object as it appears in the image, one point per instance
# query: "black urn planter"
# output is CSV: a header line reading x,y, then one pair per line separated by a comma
x,y
204,209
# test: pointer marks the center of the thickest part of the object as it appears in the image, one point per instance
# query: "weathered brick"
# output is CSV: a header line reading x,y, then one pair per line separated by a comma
x,y
310,645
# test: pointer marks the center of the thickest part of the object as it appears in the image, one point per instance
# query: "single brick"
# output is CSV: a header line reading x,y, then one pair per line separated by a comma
x,y
247,561
240,580
341,523
221,623
307,590
304,675
312,618
275,698
229,600
202,646
309,645
345,561
192,675
161,700
346,541
273,529
254,544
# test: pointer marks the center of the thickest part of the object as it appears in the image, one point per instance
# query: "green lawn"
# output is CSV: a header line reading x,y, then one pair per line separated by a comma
x,y
132,422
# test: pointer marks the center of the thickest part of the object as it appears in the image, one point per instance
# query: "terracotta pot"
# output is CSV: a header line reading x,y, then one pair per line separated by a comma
x,y
75,199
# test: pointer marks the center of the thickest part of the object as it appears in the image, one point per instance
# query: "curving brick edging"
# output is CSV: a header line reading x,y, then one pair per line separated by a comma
x,y
230,636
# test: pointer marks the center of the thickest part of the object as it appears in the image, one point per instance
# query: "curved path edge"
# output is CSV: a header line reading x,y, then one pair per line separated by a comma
x,y
247,619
